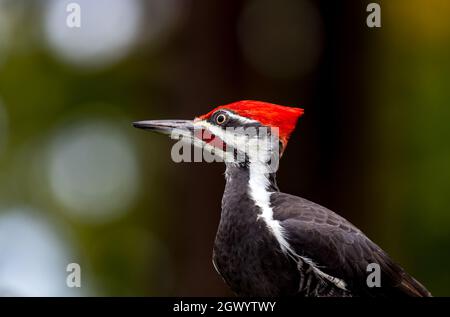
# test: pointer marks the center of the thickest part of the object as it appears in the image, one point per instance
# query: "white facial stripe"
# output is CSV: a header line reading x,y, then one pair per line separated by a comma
x,y
188,137
238,117
254,147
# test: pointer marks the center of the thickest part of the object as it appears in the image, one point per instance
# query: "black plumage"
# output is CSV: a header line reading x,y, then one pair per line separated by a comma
x,y
251,261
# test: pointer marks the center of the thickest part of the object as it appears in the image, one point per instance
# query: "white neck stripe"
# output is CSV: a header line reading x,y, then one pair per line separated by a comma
x,y
258,184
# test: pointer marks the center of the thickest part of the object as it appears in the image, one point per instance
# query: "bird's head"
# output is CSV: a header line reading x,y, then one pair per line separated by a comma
x,y
255,129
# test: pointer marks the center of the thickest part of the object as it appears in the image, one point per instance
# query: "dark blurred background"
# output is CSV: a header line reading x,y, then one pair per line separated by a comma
x,y
79,184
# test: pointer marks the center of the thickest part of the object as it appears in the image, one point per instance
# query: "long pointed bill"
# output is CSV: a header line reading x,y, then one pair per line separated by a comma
x,y
187,131
181,128
166,126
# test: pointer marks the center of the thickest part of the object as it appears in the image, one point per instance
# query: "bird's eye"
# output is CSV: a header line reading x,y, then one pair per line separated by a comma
x,y
221,118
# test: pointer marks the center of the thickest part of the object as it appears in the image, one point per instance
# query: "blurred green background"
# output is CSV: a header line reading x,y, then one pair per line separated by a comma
x,y
79,184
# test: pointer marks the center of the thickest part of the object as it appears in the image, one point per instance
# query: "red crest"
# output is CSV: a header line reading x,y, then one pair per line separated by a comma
x,y
268,114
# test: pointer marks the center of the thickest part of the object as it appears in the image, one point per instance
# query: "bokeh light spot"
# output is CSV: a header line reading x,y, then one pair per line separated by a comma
x,y
33,256
108,30
93,170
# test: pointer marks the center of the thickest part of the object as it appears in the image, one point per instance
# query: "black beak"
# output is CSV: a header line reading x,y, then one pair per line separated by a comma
x,y
166,126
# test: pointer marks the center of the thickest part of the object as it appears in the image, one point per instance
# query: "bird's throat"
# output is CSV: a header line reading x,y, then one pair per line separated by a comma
x,y
243,176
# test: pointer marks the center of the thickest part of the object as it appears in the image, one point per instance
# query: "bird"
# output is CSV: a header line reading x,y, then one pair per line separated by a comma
x,y
270,243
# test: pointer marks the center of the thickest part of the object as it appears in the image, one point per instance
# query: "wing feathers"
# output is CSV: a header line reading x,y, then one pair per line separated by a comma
x,y
340,249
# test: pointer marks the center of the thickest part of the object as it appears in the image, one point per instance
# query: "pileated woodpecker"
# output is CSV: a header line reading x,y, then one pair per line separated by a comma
x,y
274,244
